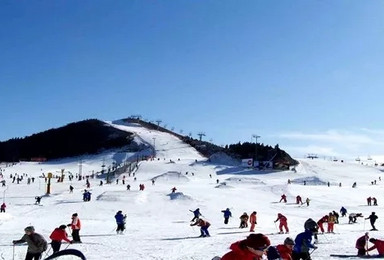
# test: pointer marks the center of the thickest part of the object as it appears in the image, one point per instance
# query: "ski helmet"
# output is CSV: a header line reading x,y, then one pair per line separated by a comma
x,y
311,225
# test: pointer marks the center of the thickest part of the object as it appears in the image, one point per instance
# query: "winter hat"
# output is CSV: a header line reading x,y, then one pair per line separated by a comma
x,y
29,229
372,240
289,241
74,215
257,241
63,227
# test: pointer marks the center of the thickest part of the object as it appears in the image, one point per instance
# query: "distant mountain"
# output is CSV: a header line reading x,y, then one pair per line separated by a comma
x,y
84,137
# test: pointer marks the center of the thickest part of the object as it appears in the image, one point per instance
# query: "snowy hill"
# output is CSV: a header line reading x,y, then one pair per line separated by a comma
x,y
158,221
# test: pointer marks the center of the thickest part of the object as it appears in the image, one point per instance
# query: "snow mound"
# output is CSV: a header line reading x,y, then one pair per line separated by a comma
x,y
312,180
171,176
245,180
223,159
179,196
223,185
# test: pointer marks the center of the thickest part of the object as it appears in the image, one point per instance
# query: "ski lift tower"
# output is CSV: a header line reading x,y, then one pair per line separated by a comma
x,y
255,159
201,134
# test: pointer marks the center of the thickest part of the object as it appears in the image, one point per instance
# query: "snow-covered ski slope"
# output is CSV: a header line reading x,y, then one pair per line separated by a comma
x,y
158,223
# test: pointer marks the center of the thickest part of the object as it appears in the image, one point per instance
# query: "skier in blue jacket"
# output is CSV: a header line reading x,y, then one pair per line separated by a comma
x,y
303,241
120,221
227,215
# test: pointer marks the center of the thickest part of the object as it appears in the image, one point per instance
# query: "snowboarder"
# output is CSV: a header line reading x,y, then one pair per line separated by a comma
x,y
204,225
57,236
75,226
298,200
285,250
372,219
227,215
196,214
283,198
120,221
36,243
2,208
251,248
377,244
353,217
361,245
253,221
283,223
343,211
244,220
303,241
38,199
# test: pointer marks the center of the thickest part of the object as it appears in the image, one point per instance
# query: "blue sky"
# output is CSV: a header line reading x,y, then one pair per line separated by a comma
x,y
305,74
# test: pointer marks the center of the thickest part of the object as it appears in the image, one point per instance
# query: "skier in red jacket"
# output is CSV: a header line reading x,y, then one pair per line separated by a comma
x,y
283,223
321,222
57,236
251,248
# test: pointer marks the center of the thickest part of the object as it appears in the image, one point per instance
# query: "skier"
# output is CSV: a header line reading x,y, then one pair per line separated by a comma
x,y
298,200
331,222
2,207
173,189
38,199
303,241
253,221
377,244
283,198
353,217
75,226
204,225
307,201
120,221
369,199
285,250
251,248
196,214
283,223
36,243
227,215
244,220
372,219
70,189
128,187
374,201
57,236
336,217
354,185
361,245
343,211
321,222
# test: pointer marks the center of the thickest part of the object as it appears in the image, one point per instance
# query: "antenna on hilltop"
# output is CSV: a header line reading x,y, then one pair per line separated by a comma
x,y
201,134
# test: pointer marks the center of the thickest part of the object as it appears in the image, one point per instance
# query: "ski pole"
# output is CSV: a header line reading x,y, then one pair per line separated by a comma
x,y
364,225
309,256
13,252
276,227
